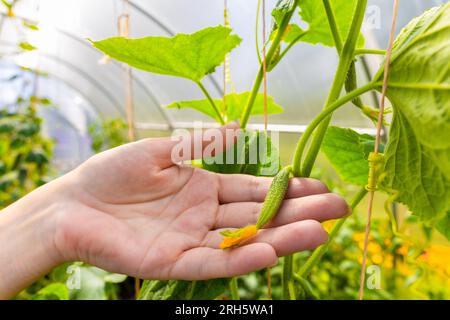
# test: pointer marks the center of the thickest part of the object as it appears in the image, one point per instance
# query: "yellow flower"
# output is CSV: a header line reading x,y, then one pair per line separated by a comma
x,y
404,268
388,262
234,238
403,250
377,258
373,247
358,236
437,256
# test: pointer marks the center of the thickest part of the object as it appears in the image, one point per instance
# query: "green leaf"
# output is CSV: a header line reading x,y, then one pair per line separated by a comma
x,y
37,156
7,4
180,290
93,283
253,153
420,59
443,226
293,32
235,102
27,46
54,291
313,13
30,25
418,152
348,151
190,56
410,170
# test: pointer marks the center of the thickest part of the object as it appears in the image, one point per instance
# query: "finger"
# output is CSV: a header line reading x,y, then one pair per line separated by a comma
x,y
318,207
241,188
287,239
207,263
185,145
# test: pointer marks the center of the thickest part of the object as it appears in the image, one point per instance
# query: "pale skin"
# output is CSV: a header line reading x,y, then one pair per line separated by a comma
x,y
131,210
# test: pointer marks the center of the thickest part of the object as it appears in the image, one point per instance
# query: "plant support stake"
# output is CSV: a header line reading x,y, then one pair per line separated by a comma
x,y
123,23
371,187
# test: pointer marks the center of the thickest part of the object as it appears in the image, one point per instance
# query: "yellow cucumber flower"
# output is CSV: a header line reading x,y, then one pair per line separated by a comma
x,y
234,238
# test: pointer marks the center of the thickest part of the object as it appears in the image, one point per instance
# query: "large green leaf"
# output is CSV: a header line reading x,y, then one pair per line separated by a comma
x,y
313,13
190,56
253,153
234,103
348,151
181,290
410,170
418,152
420,77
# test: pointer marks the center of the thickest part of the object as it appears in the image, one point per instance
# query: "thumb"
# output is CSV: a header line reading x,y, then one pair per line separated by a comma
x,y
186,145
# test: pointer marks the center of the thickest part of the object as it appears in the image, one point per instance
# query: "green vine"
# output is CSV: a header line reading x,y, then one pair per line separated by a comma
x,y
345,59
269,56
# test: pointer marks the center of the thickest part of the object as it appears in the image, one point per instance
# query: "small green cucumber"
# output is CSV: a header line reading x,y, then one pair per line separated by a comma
x,y
274,197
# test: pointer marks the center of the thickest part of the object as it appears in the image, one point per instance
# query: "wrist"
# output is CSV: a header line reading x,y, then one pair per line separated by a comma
x,y
28,230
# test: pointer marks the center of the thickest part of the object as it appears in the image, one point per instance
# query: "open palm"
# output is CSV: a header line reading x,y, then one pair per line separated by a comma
x,y
135,212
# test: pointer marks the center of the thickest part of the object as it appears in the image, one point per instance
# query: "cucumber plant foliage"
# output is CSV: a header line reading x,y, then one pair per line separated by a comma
x,y
230,105
318,31
348,151
416,168
190,56
418,152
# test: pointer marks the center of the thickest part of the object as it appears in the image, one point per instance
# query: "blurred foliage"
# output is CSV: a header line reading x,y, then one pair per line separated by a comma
x,y
74,281
24,153
107,134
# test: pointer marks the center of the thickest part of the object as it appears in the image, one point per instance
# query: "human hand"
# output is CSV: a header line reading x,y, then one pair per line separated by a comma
x,y
131,210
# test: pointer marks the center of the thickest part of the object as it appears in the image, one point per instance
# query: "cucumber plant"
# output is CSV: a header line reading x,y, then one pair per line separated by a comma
x,y
416,163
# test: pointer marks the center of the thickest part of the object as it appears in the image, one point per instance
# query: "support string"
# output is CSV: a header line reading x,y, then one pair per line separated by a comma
x,y
371,187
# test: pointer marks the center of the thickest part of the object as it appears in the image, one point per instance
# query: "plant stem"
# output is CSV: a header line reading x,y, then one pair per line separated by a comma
x,y
257,32
369,51
211,101
287,280
321,118
338,44
320,251
234,289
333,25
346,57
270,53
